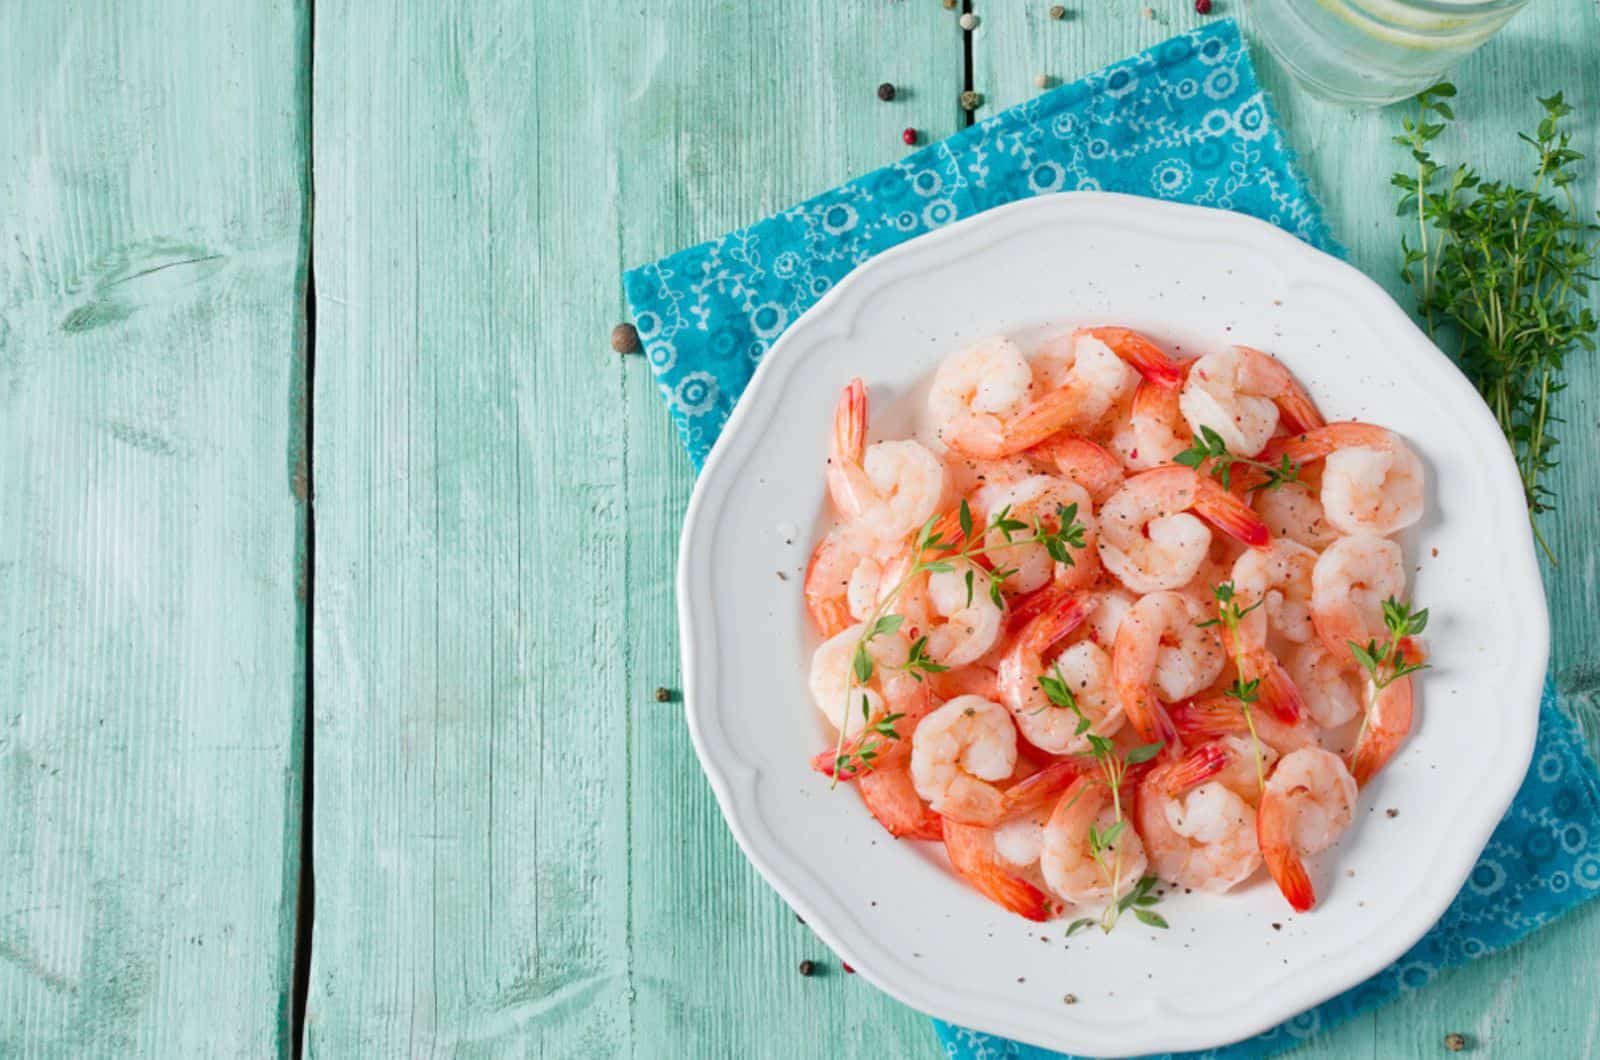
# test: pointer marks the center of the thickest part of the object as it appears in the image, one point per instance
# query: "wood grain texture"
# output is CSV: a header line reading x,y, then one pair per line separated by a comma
x,y
1520,1003
515,851
151,284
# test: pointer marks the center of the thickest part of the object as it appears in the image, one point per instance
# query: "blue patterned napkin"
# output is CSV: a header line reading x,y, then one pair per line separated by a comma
x,y
1185,120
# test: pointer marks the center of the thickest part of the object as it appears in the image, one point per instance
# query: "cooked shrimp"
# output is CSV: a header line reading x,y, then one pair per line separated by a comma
x,y
1150,541
1372,482
1307,805
1197,832
1034,500
1091,466
1279,579
1241,393
1327,682
1085,669
846,703
888,489
1349,583
957,752
1017,842
960,626
1388,722
1069,865
1085,395
972,854
1154,432
1089,366
974,680
892,799
990,378
841,582
1162,655
1292,511
1144,356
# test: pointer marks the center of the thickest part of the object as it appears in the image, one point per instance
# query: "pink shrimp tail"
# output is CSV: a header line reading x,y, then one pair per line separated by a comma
x,y
1299,412
1230,514
850,423
1194,768
1091,466
893,800
1142,355
1208,719
1038,789
1150,719
1279,694
1290,876
1057,617
1389,722
971,850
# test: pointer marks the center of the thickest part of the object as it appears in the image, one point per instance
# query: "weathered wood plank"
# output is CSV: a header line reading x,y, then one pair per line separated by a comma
x,y
515,852
1519,1003
151,336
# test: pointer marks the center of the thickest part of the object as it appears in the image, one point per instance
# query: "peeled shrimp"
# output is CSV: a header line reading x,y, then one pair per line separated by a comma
x,y
1019,841
1327,682
1388,722
841,582
1035,499
1279,579
972,854
1088,366
1084,667
844,702
1066,860
1197,832
961,626
995,429
888,489
1154,432
1162,655
1292,511
1241,393
1372,482
1349,583
957,752
1307,805
1149,539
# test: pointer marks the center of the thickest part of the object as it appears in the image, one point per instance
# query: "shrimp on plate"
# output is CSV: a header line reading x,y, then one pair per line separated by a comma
x,y
958,659
1163,654
958,753
887,489
1084,669
1199,829
1242,393
1071,868
1148,536
1372,482
1307,805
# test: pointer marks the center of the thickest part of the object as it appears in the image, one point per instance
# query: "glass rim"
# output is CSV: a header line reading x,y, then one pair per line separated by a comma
x,y
1441,7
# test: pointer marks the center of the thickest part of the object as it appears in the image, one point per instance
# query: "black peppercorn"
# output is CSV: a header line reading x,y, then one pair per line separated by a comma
x,y
886,91
807,967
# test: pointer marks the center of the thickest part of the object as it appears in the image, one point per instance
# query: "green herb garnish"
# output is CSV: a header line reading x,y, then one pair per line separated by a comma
x,y
1209,448
1499,271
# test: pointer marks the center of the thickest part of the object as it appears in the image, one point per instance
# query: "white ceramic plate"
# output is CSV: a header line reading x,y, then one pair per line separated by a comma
x,y
1196,279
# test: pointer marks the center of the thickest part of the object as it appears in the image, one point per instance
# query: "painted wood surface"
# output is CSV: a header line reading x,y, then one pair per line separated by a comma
x,y
151,279
515,853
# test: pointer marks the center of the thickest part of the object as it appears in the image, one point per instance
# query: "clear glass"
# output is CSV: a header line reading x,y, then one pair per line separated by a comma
x,y
1374,52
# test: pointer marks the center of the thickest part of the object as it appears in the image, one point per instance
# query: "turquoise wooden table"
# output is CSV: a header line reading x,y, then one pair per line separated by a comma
x,y
336,547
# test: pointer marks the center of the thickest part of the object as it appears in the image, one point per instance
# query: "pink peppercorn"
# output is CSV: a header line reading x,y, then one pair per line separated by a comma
x,y
910,137
1202,7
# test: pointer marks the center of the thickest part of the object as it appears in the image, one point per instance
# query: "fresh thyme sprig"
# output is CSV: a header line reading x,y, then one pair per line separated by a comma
x,y
1500,272
1113,770
1245,693
935,554
1209,446
1386,663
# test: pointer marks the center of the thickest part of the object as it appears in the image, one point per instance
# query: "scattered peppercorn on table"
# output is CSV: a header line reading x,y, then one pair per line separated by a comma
x,y
352,525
